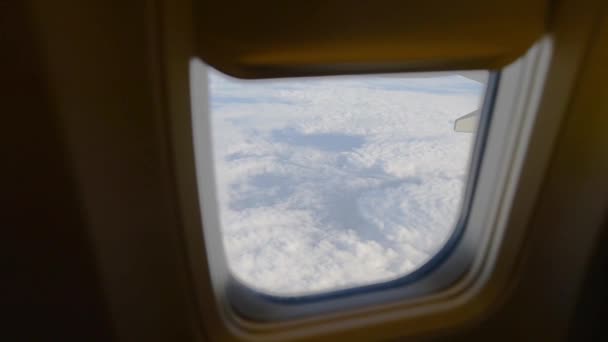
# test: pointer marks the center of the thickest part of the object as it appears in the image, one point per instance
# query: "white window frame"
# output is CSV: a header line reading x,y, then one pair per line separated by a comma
x,y
454,281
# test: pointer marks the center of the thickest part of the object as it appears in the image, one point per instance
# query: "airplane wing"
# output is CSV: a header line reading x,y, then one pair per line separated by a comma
x,y
468,122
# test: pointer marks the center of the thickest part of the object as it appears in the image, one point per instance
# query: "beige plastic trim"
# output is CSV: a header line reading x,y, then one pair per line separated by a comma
x,y
497,267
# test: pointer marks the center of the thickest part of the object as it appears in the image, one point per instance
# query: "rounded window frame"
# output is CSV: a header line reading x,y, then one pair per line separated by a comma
x,y
502,118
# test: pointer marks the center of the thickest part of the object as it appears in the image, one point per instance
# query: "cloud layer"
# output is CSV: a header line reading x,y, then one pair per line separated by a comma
x,y
337,182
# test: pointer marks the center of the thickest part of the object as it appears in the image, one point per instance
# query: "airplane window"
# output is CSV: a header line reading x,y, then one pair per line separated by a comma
x,y
336,182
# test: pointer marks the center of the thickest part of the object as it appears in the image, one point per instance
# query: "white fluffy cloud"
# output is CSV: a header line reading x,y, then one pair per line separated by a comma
x,y
337,182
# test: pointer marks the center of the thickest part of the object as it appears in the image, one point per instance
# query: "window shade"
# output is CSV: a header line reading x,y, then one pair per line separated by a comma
x,y
260,39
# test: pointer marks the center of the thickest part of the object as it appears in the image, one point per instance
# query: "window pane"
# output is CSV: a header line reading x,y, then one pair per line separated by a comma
x,y
335,182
